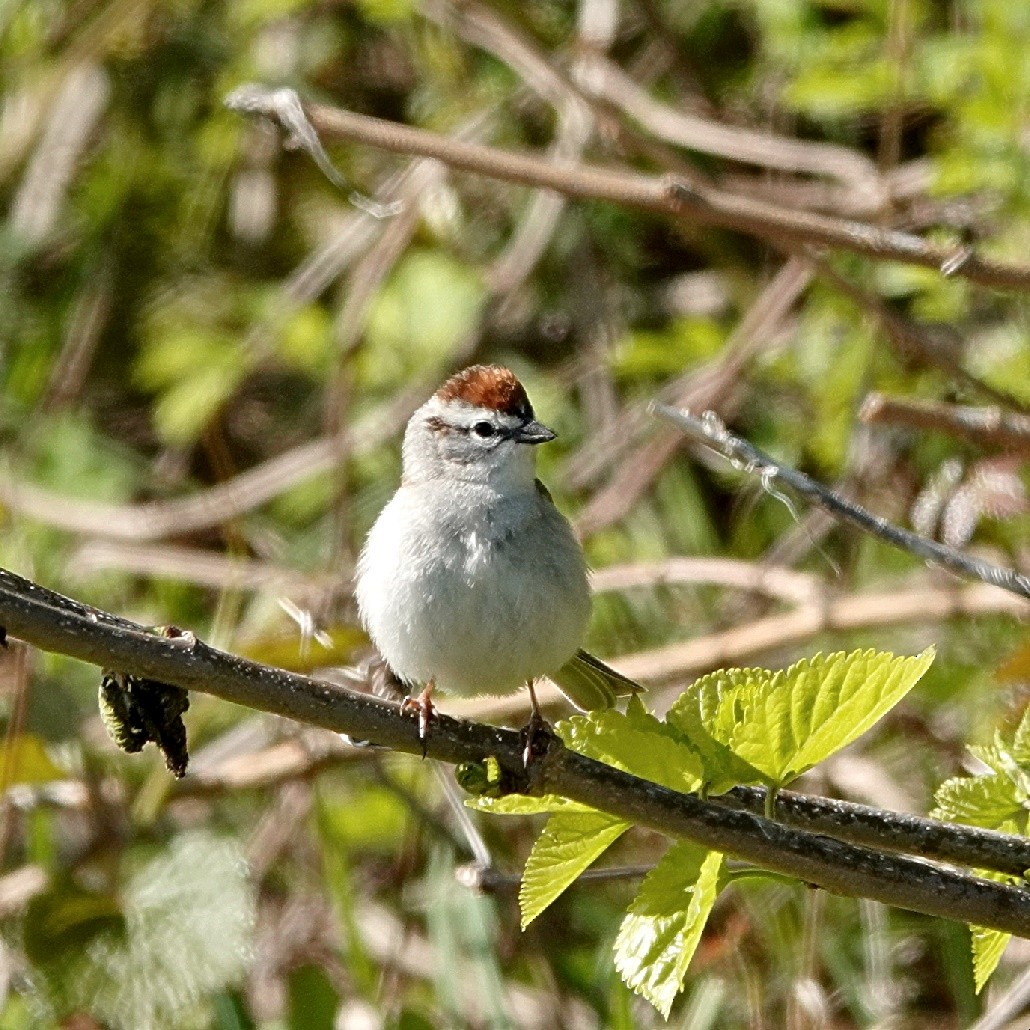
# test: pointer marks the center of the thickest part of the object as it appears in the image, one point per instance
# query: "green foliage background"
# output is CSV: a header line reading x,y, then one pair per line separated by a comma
x,y
157,339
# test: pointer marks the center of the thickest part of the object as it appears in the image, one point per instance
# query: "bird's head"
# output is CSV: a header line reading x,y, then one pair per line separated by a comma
x,y
479,426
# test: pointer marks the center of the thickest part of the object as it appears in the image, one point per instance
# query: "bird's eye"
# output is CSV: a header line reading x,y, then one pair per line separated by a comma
x,y
484,430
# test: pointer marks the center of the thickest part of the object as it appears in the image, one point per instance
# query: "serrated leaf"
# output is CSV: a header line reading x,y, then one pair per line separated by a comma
x,y
523,804
986,801
662,929
999,758
635,742
707,714
1021,740
784,723
988,947
571,841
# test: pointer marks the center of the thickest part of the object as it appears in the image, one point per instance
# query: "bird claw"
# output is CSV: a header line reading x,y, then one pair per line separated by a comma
x,y
423,706
537,737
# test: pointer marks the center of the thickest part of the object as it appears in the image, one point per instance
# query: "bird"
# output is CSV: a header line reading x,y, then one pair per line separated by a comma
x,y
471,581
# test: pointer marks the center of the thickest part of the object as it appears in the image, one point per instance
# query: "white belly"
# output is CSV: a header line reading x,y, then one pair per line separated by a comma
x,y
477,612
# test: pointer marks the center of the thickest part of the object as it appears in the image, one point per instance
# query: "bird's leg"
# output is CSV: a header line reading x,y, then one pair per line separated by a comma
x,y
423,705
538,732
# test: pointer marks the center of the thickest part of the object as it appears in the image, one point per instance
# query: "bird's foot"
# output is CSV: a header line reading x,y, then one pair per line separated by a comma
x,y
423,706
536,738
537,734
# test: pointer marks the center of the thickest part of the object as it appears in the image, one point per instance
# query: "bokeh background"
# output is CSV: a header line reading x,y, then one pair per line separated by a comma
x,y
207,357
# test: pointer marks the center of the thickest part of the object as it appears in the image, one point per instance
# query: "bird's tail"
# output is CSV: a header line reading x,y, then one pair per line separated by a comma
x,y
588,683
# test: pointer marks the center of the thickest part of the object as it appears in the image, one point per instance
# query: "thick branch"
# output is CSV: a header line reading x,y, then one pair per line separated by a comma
x,y
895,831
666,195
823,861
57,623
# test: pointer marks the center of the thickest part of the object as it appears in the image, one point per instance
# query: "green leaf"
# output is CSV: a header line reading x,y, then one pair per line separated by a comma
x,y
66,920
637,743
784,723
372,819
1021,740
386,12
25,760
988,946
662,929
523,804
707,714
986,801
571,841
998,758
184,409
313,1001
335,645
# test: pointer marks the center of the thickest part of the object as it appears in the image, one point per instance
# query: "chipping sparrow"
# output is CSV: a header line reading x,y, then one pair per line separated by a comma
x,y
471,580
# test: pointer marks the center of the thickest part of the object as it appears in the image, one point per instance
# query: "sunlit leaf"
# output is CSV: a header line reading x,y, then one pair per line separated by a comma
x,y
637,743
570,842
988,800
662,929
785,722
988,947
524,804
707,715
1021,740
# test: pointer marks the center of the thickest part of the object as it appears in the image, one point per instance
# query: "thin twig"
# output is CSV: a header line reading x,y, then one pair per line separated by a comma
x,y
766,149
56,623
742,454
775,581
666,195
493,881
707,387
300,134
1007,1008
910,337
988,427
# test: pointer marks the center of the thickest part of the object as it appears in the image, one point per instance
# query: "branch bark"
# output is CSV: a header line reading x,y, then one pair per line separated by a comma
x,y
57,623
709,430
667,195
987,427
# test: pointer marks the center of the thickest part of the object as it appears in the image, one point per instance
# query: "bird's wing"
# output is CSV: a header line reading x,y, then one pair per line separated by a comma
x,y
588,683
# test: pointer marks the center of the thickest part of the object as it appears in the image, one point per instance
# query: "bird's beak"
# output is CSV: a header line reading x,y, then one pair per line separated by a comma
x,y
533,432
